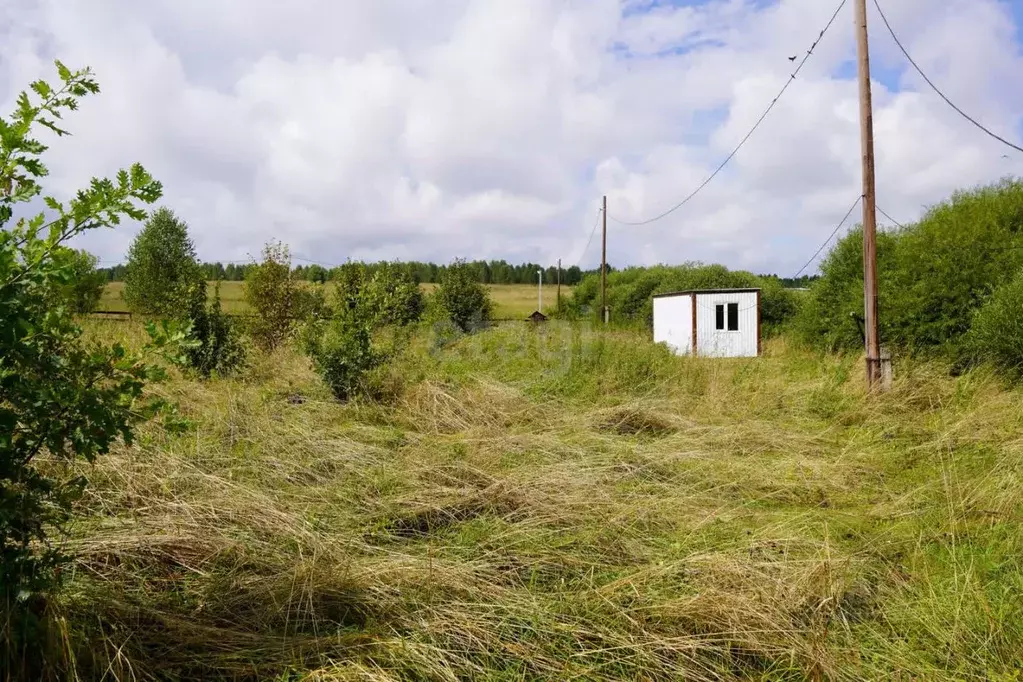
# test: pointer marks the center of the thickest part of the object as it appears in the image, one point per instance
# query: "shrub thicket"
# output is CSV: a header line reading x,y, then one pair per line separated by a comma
x,y
339,337
996,335
387,294
933,275
630,291
61,399
161,271
463,299
831,316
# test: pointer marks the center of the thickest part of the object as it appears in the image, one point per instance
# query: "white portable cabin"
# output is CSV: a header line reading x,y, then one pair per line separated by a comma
x,y
718,323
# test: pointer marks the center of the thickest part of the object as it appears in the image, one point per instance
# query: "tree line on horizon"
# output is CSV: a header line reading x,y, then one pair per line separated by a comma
x,y
485,272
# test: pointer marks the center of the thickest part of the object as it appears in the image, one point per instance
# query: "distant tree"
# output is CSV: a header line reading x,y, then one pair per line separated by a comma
x,y
161,268
316,273
465,301
573,275
213,272
85,282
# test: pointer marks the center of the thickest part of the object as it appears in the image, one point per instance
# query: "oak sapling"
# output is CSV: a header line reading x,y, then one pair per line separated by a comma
x,y
60,397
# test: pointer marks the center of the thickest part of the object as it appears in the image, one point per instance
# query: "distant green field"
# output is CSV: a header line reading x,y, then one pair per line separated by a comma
x,y
510,300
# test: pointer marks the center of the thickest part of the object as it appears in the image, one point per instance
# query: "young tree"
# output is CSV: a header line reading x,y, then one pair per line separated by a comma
x,y
85,282
59,397
216,345
343,353
350,281
465,301
272,293
342,347
161,268
392,296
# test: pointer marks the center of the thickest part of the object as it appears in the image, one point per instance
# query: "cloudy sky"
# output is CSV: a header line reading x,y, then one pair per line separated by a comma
x,y
429,129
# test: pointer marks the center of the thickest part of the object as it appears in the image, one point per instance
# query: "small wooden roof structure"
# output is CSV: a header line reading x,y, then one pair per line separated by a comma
x,y
536,316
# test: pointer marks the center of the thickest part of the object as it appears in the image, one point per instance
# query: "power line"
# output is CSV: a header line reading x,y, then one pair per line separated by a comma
x,y
590,240
314,262
893,220
830,237
935,87
756,125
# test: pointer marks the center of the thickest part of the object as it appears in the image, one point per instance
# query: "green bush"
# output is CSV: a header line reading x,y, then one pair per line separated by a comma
x,y
831,317
393,295
61,398
309,304
343,354
349,286
85,286
216,345
996,336
932,276
387,294
463,299
161,270
273,296
342,346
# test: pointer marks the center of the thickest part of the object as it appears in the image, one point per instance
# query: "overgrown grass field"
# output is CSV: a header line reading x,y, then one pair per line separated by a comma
x,y
510,300
555,503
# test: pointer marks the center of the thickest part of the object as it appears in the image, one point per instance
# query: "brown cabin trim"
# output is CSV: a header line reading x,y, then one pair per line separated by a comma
x,y
758,323
705,291
692,304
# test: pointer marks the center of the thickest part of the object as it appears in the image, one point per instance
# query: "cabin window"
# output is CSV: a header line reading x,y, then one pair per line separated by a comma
x,y
726,312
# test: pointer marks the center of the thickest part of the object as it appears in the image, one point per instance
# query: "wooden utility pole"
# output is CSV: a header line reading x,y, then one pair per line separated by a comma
x,y
559,285
869,203
603,264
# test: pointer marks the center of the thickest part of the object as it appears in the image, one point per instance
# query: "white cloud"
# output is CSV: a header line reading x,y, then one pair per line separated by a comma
x,y
431,129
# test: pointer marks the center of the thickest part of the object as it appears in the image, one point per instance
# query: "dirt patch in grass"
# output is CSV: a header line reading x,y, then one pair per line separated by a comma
x,y
636,420
419,519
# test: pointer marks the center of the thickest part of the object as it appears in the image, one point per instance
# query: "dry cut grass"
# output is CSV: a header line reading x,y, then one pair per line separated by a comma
x,y
551,504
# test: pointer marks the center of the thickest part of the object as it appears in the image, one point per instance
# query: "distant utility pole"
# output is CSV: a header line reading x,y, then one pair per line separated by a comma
x,y
603,264
869,203
559,285
539,289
